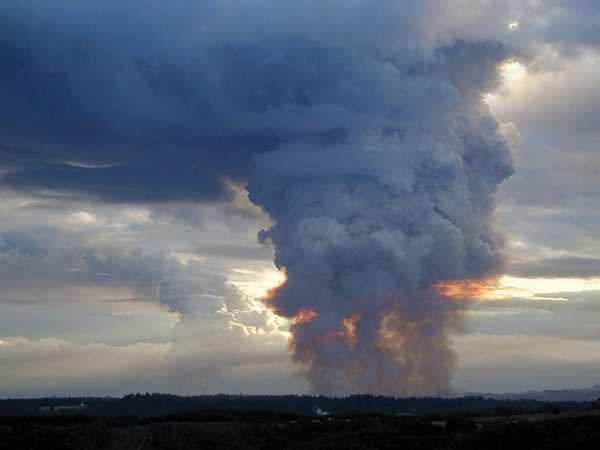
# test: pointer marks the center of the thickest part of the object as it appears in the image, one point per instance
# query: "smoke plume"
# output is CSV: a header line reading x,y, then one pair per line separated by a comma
x,y
359,126
371,213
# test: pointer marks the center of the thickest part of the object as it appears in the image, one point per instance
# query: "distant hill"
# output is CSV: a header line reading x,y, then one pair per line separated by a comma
x,y
554,395
148,405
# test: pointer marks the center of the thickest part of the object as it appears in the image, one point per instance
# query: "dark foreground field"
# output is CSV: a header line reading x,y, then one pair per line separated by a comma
x,y
70,424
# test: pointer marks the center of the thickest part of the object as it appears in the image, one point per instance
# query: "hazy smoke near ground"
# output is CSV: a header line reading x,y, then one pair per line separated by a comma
x,y
369,215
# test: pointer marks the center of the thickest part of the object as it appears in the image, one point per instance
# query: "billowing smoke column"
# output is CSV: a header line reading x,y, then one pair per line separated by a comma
x,y
391,192
359,124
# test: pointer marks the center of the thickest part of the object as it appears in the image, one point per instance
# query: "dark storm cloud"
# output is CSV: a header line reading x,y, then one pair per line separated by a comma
x,y
139,103
111,96
123,183
176,99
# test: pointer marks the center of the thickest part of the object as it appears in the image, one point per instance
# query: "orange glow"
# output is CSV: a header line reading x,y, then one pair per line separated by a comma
x,y
350,330
269,298
272,291
305,315
466,289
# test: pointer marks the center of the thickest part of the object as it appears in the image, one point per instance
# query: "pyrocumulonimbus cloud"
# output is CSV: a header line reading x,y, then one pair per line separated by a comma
x,y
359,127
369,217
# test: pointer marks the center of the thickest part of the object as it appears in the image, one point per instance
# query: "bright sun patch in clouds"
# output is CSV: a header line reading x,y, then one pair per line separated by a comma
x,y
507,287
256,284
512,70
546,285
514,74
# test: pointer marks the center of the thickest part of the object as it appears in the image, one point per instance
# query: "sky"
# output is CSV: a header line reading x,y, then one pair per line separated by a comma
x,y
299,197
